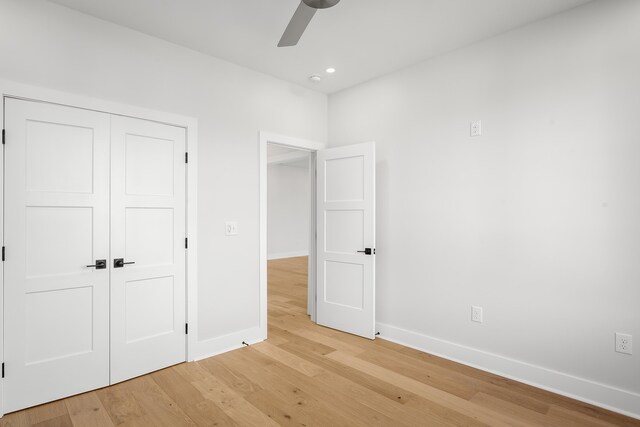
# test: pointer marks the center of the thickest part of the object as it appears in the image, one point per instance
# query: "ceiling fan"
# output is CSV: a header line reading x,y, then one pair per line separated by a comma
x,y
301,19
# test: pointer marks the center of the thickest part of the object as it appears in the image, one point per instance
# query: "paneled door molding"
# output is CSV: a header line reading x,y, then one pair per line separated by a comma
x,y
57,233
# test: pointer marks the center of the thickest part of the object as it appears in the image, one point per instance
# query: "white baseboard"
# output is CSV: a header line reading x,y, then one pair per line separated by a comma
x,y
214,346
282,255
602,395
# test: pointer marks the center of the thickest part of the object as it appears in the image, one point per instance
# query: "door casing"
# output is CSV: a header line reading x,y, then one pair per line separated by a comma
x,y
10,89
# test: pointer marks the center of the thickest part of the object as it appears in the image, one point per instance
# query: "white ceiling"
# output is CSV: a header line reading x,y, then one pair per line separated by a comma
x,y
362,39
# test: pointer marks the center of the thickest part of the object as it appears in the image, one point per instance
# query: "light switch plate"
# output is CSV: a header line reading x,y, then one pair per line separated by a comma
x,y
231,228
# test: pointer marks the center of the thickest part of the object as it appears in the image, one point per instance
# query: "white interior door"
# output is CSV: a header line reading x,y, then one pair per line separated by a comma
x,y
148,235
346,239
56,326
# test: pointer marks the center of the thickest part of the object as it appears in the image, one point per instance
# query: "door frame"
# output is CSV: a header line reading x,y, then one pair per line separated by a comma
x,y
301,144
9,89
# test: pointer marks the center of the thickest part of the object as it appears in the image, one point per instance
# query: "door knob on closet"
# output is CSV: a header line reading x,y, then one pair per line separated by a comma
x,y
119,263
100,264
367,251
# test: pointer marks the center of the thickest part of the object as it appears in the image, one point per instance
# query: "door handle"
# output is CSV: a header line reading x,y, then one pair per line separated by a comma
x,y
100,264
367,251
119,263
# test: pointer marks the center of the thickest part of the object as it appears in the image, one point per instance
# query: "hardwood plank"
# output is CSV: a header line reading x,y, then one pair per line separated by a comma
x,y
292,385
158,406
46,412
201,411
120,404
389,391
449,378
568,417
289,337
531,417
15,419
442,381
288,405
278,298
236,380
289,359
87,410
232,403
60,421
523,394
431,393
427,413
274,337
345,407
334,343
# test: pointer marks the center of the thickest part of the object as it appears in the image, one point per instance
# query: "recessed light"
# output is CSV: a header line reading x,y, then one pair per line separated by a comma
x,y
331,70
315,78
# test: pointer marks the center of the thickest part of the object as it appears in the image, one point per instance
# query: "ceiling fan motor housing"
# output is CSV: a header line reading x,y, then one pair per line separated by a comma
x,y
321,4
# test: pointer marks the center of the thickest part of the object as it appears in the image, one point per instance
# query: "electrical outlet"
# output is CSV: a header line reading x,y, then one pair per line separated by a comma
x,y
476,314
231,228
624,343
476,128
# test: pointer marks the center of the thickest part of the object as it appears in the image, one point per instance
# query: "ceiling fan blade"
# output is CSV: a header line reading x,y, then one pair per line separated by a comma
x,y
321,4
297,25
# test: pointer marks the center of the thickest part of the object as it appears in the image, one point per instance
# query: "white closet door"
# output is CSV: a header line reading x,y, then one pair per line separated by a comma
x,y
346,238
56,325
148,230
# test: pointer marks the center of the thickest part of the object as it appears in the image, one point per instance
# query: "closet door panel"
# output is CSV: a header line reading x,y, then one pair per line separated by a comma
x,y
148,231
56,324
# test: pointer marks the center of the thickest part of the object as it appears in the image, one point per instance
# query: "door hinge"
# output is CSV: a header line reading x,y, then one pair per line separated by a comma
x,y
186,243
186,329
3,253
2,369
186,157
3,136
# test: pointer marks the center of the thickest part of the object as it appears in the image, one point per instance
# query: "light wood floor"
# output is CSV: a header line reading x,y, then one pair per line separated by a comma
x,y
306,375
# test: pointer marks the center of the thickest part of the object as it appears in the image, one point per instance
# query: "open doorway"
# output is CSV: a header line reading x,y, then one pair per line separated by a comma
x,y
288,230
285,148
341,294
288,202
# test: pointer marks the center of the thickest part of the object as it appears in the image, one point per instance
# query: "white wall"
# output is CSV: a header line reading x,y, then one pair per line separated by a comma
x,y
47,45
288,198
537,221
